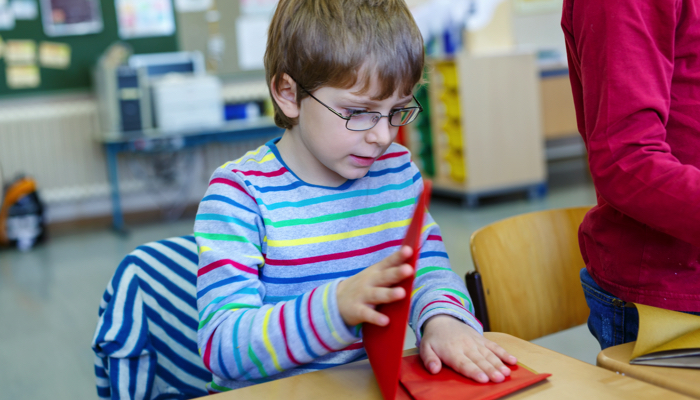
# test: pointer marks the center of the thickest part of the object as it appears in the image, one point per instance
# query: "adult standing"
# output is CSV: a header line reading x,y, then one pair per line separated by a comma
x,y
635,75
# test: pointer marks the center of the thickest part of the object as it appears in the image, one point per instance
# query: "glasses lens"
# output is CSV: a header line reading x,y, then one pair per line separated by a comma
x,y
404,116
363,121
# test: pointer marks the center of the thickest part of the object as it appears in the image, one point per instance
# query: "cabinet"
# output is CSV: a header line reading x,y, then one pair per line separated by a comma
x,y
486,125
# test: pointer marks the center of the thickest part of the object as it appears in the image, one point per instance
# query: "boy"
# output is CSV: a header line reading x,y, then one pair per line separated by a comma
x,y
300,239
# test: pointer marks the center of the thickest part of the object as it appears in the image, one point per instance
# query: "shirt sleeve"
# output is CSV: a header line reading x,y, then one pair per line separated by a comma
x,y
240,337
436,288
622,64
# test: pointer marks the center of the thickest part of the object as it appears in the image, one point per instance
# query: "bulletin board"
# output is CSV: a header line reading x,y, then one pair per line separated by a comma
x,y
221,25
84,52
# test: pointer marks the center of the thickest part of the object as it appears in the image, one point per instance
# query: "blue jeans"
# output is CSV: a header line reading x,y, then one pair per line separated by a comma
x,y
610,322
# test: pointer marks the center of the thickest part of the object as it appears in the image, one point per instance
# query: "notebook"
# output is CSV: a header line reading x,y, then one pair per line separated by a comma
x,y
667,338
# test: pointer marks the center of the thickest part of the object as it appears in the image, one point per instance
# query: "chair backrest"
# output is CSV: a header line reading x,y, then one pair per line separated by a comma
x,y
145,341
529,266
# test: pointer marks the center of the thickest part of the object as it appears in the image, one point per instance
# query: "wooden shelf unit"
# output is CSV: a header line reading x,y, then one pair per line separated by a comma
x,y
489,106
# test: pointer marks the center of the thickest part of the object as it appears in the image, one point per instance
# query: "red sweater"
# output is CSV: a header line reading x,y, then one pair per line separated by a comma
x,y
635,75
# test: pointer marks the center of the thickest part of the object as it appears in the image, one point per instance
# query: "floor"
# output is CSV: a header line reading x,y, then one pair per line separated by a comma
x,y
49,295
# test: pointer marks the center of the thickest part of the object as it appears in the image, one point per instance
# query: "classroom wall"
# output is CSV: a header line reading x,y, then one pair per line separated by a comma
x,y
70,167
52,139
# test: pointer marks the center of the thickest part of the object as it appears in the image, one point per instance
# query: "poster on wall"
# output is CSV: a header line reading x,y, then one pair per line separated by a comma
x,y
145,18
71,17
537,6
193,5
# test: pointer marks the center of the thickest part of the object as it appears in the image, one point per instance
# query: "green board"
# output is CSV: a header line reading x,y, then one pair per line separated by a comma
x,y
85,50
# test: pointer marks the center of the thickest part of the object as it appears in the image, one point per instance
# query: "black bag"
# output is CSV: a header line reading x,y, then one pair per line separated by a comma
x,y
22,222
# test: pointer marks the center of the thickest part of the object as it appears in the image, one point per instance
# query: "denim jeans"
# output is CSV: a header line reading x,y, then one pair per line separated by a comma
x,y
610,322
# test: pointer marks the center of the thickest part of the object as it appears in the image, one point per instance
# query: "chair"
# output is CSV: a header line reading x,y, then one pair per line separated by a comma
x,y
145,341
526,281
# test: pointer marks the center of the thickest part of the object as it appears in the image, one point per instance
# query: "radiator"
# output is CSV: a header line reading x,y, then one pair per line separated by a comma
x,y
53,141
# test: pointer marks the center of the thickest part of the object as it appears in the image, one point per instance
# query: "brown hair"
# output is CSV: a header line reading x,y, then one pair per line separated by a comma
x,y
336,42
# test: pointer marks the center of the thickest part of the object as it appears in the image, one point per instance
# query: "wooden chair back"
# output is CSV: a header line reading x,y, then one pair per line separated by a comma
x,y
529,268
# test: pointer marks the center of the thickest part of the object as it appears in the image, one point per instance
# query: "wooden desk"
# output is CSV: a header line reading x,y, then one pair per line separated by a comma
x,y
570,378
153,141
681,380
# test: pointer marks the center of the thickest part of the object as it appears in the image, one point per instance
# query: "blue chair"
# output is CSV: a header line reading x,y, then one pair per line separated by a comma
x,y
145,342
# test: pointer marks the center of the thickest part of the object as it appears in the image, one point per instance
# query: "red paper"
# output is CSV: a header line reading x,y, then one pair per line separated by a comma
x,y
384,344
448,384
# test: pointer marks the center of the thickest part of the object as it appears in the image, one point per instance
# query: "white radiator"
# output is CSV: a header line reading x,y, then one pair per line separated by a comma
x,y
53,141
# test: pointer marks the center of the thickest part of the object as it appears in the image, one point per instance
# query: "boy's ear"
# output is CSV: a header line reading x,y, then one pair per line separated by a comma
x,y
285,95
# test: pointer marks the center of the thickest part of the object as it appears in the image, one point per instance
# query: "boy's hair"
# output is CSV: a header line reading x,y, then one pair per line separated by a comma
x,y
336,42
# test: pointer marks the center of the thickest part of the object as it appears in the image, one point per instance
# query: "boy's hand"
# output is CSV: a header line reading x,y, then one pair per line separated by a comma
x,y
451,341
359,294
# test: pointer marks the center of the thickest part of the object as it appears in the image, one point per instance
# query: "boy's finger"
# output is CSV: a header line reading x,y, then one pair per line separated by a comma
x,y
462,364
393,275
485,366
430,359
501,353
373,317
495,361
397,258
385,295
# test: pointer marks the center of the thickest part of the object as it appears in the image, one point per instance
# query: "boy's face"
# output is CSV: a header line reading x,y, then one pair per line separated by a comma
x,y
327,153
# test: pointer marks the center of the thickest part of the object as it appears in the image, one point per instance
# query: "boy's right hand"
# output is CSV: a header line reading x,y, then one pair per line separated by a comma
x,y
359,294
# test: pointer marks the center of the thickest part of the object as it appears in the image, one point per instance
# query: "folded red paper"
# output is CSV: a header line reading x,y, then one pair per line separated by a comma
x,y
448,384
384,344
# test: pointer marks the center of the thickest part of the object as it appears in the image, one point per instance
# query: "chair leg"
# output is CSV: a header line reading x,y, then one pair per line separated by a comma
x,y
476,291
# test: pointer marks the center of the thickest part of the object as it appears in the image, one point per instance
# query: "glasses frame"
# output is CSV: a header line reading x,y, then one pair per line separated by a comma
x,y
347,119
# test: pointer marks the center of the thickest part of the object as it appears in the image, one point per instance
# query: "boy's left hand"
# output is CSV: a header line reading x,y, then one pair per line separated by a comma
x,y
451,341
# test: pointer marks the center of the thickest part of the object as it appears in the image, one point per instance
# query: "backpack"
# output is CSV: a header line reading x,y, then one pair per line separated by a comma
x,y
21,215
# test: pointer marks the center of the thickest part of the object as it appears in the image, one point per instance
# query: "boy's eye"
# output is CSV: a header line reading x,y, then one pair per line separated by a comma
x,y
352,111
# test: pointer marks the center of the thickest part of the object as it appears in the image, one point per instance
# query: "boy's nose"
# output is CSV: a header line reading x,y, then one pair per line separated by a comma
x,y
380,134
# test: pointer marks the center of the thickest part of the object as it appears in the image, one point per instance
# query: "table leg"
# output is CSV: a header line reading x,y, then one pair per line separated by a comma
x,y
117,217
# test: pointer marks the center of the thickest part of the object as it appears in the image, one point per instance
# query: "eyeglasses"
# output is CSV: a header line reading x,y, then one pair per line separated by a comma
x,y
364,120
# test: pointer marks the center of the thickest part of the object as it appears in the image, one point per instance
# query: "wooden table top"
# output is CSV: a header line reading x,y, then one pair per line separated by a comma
x,y
570,378
682,380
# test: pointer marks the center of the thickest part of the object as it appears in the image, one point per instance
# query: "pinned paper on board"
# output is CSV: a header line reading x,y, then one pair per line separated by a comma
x,y
71,17
258,7
54,55
25,9
193,5
20,52
23,76
145,18
667,338
7,17
251,40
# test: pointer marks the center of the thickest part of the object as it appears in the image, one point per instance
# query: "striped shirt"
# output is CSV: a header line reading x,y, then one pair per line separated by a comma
x,y
274,248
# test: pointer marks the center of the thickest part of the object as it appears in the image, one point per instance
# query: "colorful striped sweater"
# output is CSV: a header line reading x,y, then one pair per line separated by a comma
x,y
274,248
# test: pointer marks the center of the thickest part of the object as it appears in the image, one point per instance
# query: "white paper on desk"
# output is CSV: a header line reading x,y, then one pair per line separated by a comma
x,y
251,35
25,9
